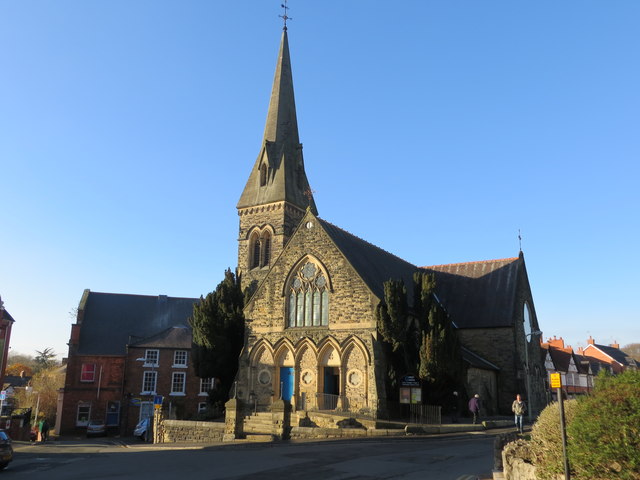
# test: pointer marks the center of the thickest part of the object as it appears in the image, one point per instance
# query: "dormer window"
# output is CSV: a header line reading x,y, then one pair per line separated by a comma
x,y
263,175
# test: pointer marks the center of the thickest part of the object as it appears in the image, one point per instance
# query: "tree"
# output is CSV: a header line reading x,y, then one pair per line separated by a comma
x,y
27,360
45,385
45,359
17,369
218,333
421,339
633,350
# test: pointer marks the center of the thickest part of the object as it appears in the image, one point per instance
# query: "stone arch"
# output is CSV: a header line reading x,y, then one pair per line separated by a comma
x,y
329,373
298,264
284,355
263,373
306,373
355,367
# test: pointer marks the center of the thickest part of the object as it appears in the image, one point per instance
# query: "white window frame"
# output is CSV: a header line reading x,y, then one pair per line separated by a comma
x,y
176,361
206,384
149,356
83,405
174,376
202,407
149,377
83,372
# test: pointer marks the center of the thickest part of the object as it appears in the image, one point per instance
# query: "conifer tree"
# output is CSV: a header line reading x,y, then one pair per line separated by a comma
x,y
218,333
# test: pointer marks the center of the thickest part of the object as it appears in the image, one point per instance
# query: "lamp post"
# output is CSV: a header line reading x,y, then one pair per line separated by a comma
x,y
526,362
30,391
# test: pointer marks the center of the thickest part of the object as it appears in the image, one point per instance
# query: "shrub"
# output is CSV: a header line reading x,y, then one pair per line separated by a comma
x,y
605,432
546,439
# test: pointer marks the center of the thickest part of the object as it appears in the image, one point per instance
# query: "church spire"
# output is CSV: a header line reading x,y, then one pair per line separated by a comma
x,y
278,174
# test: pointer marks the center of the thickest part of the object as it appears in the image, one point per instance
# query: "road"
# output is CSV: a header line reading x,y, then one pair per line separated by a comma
x,y
432,458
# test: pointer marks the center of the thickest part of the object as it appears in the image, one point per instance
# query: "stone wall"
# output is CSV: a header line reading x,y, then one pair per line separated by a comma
x,y
515,462
183,431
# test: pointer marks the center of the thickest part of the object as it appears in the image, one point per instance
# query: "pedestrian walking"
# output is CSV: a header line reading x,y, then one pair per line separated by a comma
x,y
518,408
43,430
474,408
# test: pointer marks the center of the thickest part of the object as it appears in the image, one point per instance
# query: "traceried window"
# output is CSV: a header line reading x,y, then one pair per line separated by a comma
x,y
308,298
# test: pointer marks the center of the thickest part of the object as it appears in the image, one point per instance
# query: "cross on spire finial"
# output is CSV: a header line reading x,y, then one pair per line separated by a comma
x,y
520,239
285,17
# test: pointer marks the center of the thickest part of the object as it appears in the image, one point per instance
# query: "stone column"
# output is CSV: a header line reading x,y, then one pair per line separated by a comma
x,y
232,420
281,418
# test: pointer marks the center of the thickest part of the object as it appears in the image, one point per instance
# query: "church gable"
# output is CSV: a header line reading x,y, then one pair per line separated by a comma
x,y
311,285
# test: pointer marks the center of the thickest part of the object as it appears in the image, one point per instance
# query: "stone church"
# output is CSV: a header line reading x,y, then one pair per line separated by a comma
x,y
311,336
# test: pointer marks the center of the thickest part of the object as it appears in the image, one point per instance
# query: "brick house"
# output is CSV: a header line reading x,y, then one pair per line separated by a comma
x,y
110,330
311,328
609,354
161,365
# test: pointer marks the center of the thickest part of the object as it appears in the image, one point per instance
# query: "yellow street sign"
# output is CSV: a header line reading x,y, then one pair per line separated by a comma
x,y
556,380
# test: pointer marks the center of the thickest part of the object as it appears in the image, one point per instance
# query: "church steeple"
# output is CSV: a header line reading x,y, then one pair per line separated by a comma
x,y
277,193
278,173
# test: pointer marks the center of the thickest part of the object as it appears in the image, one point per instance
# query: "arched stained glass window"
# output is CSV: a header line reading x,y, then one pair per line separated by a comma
x,y
308,298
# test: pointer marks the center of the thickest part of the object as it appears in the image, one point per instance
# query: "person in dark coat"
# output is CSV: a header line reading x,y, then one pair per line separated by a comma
x,y
474,408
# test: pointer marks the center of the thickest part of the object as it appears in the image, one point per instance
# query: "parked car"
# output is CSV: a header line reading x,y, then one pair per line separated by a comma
x,y
6,450
96,428
141,429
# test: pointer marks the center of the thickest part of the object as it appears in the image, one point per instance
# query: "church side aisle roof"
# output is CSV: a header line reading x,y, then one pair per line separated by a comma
x,y
478,294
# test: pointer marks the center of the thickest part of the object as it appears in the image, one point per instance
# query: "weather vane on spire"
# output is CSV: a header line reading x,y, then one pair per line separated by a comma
x,y
285,17
520,239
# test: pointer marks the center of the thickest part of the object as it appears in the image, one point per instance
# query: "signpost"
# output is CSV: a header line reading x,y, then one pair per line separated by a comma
x,y
556,382
410,391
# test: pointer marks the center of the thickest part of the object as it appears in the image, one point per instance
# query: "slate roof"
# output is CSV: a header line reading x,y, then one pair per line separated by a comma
x,y
617,354
374,265
478,294
172,337
561,359
113,320
16,380
281,149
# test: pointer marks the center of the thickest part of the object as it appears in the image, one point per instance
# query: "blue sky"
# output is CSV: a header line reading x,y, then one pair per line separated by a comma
x,y
433,129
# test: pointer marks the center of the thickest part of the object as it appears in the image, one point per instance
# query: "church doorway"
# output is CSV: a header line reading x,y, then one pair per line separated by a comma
x,y
331,380
286,383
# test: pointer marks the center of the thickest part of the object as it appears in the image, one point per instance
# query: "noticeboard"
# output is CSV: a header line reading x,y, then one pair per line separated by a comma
x,y
556,380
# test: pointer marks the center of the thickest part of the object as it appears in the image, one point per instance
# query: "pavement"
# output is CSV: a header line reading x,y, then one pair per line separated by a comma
x,y
492,426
